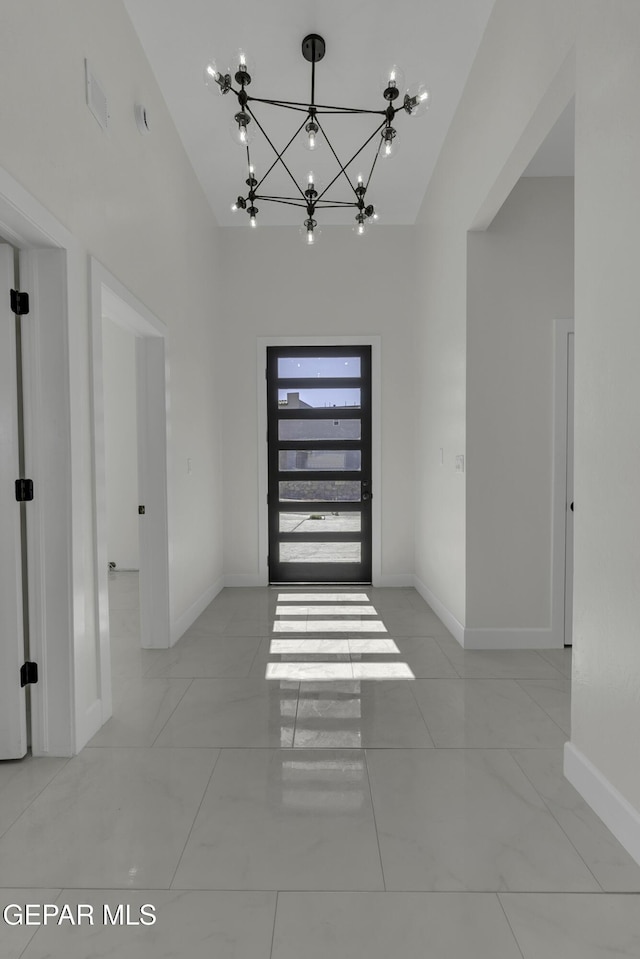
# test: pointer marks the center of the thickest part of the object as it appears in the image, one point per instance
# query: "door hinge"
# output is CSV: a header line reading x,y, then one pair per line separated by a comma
x,y
19,303
28,674
24,490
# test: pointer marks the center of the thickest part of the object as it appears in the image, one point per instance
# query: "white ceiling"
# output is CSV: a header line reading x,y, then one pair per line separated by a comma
x,y
434,41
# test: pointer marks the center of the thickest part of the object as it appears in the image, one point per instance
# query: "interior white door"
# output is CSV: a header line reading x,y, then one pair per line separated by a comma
x,y
13,716
568,572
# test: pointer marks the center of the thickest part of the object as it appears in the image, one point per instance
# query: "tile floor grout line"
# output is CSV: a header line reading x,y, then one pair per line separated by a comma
x,y
508,921
59,890
415,699
375,821
204,793
556,820
273,930
295,721
37,796
188,687
255,656
521,681
543,710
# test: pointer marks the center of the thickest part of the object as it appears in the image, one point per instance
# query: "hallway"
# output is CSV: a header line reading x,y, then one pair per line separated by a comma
x,y
383,792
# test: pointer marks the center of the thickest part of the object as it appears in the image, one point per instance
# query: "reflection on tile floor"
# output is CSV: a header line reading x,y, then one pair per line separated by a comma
x,y
312,773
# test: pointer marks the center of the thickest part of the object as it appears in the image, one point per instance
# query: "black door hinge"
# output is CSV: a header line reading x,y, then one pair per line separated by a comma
x,y
28,674
24,490
19,303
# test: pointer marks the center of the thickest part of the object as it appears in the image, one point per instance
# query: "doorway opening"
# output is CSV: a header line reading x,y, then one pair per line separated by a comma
x,y
140,332
320,464
122,497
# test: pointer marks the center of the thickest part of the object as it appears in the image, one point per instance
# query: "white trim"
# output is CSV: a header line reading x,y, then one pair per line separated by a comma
x,y
109,297
395,580
616,812
455,628
562,328
32,229
376,452
93,720
180,625
486,638
250,580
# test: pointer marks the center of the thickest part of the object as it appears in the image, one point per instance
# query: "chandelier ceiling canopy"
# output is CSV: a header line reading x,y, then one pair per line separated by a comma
x,y
311,127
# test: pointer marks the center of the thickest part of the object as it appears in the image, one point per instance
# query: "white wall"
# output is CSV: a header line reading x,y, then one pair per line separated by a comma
x,y
534,56
498,127
278,287
135,205
606,703
121,442
520,278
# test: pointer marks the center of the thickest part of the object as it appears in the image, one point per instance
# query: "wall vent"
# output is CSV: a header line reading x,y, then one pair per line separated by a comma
x,y
96,98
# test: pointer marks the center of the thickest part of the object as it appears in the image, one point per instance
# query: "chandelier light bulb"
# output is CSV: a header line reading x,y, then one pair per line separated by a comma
x,y
211,74
312,134
244,70
393,83
313,189
360,228
234,207
388,143
310,232
417,100
215,80
243,130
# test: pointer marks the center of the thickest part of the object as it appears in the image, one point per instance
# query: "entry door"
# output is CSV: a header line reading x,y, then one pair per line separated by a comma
x,y
13,725
319,436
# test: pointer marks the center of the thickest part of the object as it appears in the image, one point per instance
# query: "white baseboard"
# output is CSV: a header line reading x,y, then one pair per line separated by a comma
x,y
486,638
250,580
455,628
92,722
180,625
617,813
395,581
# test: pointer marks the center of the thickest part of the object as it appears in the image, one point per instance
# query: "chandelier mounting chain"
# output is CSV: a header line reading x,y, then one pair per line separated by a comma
x,y
314,198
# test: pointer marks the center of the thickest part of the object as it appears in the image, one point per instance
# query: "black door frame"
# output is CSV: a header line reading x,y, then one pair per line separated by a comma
x,y
335,572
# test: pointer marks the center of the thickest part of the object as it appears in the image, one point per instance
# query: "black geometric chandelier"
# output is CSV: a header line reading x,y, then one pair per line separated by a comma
x,y
308,196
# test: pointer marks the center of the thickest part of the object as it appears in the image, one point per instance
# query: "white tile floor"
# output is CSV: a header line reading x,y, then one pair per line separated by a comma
x,y
420,814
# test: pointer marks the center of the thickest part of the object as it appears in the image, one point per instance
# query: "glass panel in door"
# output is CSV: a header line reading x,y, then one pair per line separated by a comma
x,y
319,413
